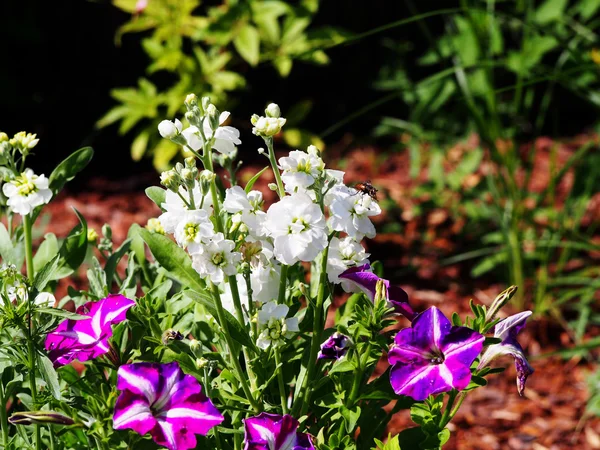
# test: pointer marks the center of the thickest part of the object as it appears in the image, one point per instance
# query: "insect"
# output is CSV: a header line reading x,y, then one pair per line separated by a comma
x,y
366,188
171,335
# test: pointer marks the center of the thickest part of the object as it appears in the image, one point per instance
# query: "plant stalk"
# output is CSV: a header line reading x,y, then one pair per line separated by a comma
x,y
280,382
273,161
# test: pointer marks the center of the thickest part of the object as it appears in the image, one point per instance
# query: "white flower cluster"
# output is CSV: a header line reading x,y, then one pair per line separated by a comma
x,y
250,245
27,191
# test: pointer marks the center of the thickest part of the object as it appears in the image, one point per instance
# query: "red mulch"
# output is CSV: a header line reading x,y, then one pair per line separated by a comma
x,y
549,416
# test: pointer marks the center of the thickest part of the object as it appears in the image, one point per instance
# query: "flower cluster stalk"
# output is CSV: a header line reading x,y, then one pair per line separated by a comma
x,y
273,161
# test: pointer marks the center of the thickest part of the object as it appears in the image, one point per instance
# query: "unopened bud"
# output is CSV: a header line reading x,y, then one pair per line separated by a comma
x,y
502,299
40,418
380,292
272,186
205,103
92,235
213,116
273,111
201,363
107,231
206,178
3,137
154,226
190,162
261,151
171,180
170,130
191,100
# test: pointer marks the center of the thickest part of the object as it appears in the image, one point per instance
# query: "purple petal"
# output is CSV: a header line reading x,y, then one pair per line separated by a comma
x,y
462,344
335,347
274,432
366,281
87,339
178,408
429,327
419,382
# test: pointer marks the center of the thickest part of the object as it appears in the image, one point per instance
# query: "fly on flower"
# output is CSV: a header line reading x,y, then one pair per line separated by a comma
x,y
366,188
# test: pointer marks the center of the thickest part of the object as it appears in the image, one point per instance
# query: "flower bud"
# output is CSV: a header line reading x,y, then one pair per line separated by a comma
x,y
273,111
213,116
272,186
92,235
261,151
154,226
171,180
40,418
502,299
205,103
191,100
107,231
170,130
206,178
3,137
190,162
266,126
381,294
201,363
188,177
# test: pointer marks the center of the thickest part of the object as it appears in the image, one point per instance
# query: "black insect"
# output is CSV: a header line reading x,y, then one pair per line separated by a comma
x,y
171,335
366,188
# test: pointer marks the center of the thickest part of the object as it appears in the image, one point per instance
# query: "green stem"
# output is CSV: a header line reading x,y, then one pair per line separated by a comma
x,y
27,225
33,388
358,378
3,417
305,393
273,161
282,393
234,359
282,284
447,413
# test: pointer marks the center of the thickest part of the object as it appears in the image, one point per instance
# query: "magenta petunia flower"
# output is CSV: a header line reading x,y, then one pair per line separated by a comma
x,y
335,346
274,432
362,278
87,339
507,330
432,356
161,400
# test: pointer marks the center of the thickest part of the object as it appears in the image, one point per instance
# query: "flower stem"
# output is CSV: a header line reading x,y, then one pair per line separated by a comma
x,y
3,417
282,284
449,412
33,387
305,393
282,393
27,225
234,359
273,161
358,377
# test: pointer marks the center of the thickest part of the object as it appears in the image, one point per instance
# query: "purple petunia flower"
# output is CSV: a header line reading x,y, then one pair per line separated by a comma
x,y
507,330
362,278
88,338
274,432
161,400
335,346
433,356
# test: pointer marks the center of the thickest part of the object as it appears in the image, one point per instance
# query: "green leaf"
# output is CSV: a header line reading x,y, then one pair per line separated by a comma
x,y
70,167
587,8
62,313
46,274
350,416
238,332
8,252
111,264
247,43
46,251
156,194
252,180
174,259
139,146
550,11
74,247
343,366
49,375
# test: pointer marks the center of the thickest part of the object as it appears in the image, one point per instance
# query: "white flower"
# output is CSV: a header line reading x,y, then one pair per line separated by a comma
x,y
26,192
45,300
17,291
350,211
193,229
267,126
216,259
343,254
250,207
226,138
168,129
24,140
175,208
297,227
301,169
273,325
